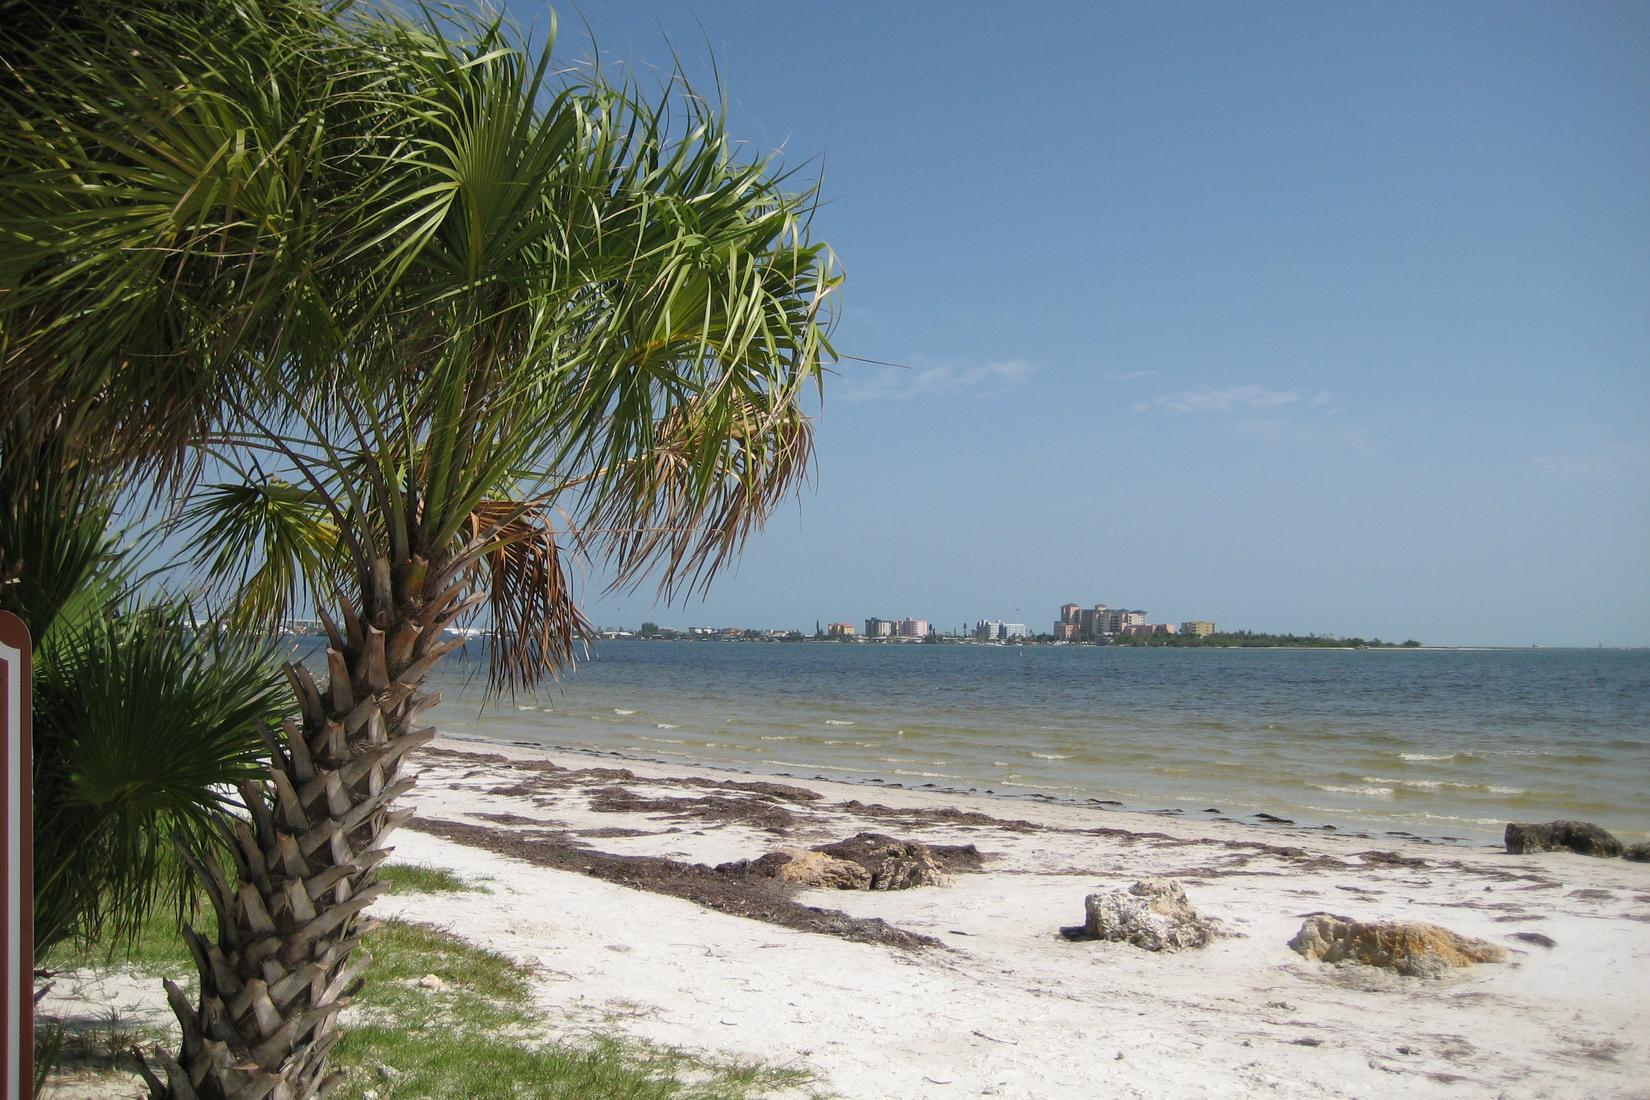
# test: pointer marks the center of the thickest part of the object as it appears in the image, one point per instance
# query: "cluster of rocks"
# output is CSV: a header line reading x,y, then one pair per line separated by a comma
x,y
1581,837
1156,915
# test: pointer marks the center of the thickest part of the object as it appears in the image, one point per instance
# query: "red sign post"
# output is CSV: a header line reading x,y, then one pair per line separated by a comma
x,y
16,859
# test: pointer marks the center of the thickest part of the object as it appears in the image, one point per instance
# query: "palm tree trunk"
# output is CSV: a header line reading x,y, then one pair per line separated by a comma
x,y
286,958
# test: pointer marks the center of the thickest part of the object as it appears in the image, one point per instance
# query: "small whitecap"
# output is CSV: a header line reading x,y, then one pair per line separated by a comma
x,y
621,710
1033,786
1418,784
837,722
526,708
1050,756
1367,792
663,726
816,767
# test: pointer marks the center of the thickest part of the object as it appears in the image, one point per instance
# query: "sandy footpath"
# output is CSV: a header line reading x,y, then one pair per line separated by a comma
x,y
1006,1005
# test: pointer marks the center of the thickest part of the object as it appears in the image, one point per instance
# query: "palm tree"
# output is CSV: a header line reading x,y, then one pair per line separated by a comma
x,y
459,317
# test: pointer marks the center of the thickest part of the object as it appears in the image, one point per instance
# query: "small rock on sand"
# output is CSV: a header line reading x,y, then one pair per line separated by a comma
x,y
1638,853
1153,914
893,864
809,868
1581,837
1411,948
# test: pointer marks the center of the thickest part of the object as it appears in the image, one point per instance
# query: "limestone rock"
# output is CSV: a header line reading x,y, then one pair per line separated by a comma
x,y
1638,853
1153,914
1412,948
892,864
808,868
1582,837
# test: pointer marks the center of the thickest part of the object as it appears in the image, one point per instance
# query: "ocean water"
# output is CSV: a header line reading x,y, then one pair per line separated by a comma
x,y
1438,743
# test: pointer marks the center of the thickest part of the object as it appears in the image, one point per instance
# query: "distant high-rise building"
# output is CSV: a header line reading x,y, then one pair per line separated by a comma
x,y
912,628
1093,624
1198,628
839,630
879,628
991,630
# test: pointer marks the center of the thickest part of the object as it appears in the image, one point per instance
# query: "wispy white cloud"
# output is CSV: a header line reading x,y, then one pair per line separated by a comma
x,y
1129,376
945,380
1227,399
1304,430
1266,414
1606,459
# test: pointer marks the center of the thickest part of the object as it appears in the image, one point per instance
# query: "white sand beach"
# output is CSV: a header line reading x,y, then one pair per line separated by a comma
x,y
1006,1005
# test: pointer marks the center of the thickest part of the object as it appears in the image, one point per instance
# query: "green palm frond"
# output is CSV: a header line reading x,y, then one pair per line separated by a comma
x,y
167,199
56,557
261,547
142,725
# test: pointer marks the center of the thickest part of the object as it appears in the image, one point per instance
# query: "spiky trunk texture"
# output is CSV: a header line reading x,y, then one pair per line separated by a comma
x,y
286,960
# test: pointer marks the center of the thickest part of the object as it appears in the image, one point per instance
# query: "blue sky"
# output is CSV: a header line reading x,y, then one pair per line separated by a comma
x,y
1302,317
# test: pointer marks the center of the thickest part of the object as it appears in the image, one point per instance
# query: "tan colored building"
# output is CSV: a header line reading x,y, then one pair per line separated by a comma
x,y
1197,628
840,630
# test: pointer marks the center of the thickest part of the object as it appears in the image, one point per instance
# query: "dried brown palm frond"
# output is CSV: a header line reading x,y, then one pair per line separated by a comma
x,y
537,627
711,478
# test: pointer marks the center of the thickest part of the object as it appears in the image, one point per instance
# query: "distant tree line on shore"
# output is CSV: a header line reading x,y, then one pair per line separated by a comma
x,y
1255,639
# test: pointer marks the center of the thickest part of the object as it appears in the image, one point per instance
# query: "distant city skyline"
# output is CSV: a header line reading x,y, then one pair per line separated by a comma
x,y
1308,318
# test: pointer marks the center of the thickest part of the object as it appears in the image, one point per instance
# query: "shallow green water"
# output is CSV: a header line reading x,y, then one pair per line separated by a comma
x,y
1437,742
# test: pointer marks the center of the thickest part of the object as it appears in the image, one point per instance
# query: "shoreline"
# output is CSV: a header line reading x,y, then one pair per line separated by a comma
x,y
1258,820
598,878
1446,754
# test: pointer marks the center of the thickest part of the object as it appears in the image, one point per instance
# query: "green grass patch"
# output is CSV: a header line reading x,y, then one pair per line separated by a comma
x,y
158,948
484,1068
412,878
